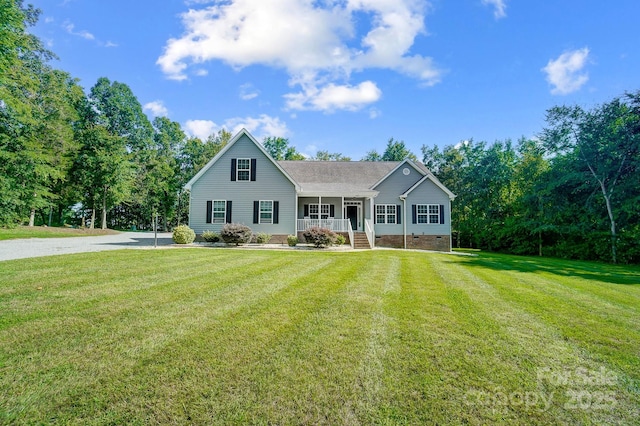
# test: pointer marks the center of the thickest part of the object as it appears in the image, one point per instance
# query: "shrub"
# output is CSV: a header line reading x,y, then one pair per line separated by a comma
x,y
262,237
292,240
320,237
183,235
340,240
236,233
210,237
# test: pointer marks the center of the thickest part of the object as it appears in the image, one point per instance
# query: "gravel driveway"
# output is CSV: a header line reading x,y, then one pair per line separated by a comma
x,y
36,247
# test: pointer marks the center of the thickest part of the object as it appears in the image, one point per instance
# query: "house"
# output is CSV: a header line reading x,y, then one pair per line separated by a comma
x,y
390,204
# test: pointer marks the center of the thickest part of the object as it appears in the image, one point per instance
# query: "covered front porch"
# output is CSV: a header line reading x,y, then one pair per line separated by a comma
x,y
343,214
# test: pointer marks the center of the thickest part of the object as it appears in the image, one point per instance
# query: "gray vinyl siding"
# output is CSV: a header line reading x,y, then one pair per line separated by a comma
x,y
428,193
270,184
390,190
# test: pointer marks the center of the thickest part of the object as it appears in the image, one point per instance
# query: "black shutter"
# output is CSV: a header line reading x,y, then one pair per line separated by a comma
x,y
306,210
441,214
276,211
414,213
228,218
256,211
209,210
253,169
398,216
233,169
332,210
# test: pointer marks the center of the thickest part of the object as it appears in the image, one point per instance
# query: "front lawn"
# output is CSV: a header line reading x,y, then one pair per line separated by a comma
x,y
212,336
46,232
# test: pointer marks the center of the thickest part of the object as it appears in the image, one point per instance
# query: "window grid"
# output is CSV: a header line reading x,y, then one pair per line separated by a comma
x,y
243,169
386,213
428,213
266,211
219,211
317,211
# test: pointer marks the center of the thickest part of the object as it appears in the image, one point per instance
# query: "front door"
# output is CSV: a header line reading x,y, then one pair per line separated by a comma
x,y
352,215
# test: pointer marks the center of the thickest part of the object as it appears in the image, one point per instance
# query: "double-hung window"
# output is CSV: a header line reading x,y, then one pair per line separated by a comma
x,y
386,213
428,213
266,211
219,213
319,211
243,169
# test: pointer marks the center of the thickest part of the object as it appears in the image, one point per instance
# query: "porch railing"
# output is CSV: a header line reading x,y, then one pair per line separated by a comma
x,y
336,225
368,230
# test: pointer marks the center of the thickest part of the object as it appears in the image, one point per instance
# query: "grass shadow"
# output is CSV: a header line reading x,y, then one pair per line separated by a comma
x,y
606,273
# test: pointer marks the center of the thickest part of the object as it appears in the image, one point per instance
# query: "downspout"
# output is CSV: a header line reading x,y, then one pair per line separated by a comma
x,y
450,236
404,219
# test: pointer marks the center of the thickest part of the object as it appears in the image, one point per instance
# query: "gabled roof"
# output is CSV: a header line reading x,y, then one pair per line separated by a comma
x,y
340,177
233,140
433,179
422,170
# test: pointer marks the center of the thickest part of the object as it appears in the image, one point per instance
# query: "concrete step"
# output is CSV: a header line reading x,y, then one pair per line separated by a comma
x,y
360,241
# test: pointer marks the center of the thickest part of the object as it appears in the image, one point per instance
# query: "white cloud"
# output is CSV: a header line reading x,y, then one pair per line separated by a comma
x,y
110,44
200,128
333,97
500,7
316,42
248,92
260,127
156,108
70,28
564,73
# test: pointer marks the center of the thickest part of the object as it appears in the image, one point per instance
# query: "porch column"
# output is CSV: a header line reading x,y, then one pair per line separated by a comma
x,y
296,215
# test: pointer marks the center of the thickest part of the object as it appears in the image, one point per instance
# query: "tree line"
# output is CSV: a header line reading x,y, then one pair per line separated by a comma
x,y
95,159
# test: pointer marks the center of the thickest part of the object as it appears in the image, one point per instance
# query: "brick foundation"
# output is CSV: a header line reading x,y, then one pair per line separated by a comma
x,y
424,242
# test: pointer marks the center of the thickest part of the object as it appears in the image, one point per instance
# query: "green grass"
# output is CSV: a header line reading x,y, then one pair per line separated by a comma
x,y
211,336
44,232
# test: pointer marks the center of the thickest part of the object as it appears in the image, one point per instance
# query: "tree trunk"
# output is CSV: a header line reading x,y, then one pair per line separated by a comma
x,y
32,217
93,218
104,210
614,235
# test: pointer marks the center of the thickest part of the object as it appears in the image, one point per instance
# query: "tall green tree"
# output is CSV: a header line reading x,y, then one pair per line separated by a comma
x,y
162,174
37,112
330,156
279,149
602,146
372,155
397,151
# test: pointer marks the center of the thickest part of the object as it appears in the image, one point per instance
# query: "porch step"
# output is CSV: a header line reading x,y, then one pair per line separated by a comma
x,y
360,241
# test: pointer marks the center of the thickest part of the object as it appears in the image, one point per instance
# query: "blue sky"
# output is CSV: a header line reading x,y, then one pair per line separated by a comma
x,y
347,75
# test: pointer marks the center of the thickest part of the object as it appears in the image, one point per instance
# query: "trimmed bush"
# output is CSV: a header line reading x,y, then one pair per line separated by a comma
x,y
320,237
263,237
183,235
292,240
236,233
340,240
210,237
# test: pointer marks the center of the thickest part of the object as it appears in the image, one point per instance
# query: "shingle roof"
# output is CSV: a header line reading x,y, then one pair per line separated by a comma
x,y
338,176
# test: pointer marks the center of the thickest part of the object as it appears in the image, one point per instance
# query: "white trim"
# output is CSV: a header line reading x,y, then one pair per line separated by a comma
x,y
260,211
213,211
238,170
402,163
433,179
386,214
242,132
